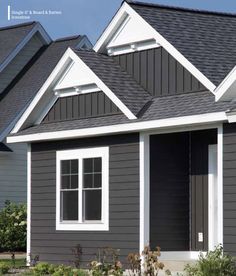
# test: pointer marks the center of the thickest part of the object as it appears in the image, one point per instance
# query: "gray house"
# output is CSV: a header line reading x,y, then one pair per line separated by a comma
x,y
134,142
24,48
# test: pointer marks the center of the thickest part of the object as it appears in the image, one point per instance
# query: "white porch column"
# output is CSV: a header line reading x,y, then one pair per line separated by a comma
x,y
144,168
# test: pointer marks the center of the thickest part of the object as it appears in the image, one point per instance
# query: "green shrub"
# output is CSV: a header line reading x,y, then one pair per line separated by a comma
x,y
57,270
4,268
215,263
13,227
43,268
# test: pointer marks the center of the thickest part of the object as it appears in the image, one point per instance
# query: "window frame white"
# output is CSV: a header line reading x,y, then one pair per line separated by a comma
x,y
80,154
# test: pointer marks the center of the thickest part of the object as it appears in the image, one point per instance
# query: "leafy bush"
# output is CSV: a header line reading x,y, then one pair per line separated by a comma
x,y
4,268
57,270
215,263
13,227
107,263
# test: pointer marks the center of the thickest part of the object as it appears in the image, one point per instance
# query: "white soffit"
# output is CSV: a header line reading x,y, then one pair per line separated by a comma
x,y
117,31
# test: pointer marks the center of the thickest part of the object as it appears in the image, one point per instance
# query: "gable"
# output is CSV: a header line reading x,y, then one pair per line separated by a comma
x,y
158,72
150,38
81,106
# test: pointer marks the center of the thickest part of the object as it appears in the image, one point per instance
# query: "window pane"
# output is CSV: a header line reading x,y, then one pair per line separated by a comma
x,y
69,205
88,180
65,166
97,180
88,165
74,166
74,181
92,204
65,182
98,164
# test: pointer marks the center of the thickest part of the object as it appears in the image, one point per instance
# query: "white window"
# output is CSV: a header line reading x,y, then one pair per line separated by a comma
x,y
82,200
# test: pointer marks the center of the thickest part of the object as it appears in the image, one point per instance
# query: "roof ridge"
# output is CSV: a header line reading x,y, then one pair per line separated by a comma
x,y
72,37
161,6
18,25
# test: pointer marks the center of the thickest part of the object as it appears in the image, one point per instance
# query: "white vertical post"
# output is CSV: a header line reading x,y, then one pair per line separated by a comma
x,y
144,166
220,182
28,246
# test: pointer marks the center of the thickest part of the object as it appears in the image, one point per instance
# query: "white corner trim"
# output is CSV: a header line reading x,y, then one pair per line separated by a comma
x,y
144,191
220,182
28,243
80,154
122,128
127,9
20,46
224,86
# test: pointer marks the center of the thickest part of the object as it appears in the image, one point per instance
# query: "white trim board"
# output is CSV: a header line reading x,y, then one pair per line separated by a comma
x,y
120,16
185,121
66,60
81,154
28,245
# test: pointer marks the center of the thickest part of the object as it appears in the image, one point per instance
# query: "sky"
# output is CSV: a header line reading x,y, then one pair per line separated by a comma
x,y
90,17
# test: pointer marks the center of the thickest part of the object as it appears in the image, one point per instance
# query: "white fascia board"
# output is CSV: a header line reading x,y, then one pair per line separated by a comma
x,y
226,85
231,117
21,45
112,27
84,42
207,118
61,65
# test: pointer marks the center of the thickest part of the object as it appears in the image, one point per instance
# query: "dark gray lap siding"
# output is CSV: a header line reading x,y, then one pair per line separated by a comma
x,y
229,187
55,246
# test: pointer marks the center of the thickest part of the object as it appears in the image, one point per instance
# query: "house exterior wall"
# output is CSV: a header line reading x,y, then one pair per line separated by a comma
x,y
229,188
158,72
17,64
55,246
13,174
81,106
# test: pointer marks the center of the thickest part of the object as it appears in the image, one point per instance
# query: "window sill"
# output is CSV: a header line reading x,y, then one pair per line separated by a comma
x,y
86,226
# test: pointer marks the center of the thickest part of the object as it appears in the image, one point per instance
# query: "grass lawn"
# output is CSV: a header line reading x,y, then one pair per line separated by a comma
x,y
18,262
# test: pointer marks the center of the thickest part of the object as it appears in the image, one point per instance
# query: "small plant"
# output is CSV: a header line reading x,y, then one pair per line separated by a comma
x,y
4,268
215,263
77,252
107,263
147,264
134,262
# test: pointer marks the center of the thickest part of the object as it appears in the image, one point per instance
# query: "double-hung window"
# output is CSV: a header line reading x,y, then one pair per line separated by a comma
x,y
82,189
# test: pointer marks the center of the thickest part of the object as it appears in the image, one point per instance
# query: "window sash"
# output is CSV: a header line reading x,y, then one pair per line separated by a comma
x,y
80,189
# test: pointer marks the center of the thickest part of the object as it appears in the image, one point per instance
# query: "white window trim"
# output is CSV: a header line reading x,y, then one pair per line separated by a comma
x,y
102,225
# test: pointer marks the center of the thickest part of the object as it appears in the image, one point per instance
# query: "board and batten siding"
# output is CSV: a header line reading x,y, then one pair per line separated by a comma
x,y
82,106
229,188
56,246
13,174
158,72
18,63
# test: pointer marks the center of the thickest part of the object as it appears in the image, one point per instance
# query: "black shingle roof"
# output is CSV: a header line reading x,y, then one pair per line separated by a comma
x,y
206,39
11,36
21,94
122,84
161,108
